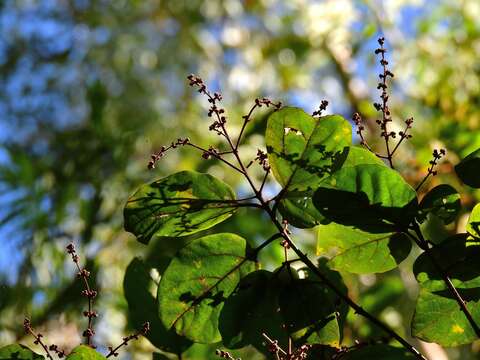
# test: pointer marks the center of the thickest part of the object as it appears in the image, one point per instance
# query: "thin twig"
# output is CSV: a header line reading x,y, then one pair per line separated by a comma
x,y
437,155
143,331
89,293
27,325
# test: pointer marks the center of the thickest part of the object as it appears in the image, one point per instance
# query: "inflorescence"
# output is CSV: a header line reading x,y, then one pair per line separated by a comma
x,y
89,293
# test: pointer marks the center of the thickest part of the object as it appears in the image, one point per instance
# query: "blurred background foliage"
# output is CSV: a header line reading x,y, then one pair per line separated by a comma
x,y
89,88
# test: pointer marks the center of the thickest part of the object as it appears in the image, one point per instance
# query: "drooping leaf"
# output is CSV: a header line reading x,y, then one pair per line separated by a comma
x,y
142,307
473,225
442,201
18,351
467,169
357,251
371,197
252,310
297,207
438,317
378,351
178,205
302,150
84,352
195,285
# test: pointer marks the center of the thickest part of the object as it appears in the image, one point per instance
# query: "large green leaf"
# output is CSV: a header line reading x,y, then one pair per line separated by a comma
x,y
379,351
18,351
312,312
281,305
467,169
473,225
354,250
142,307
438,317
360,156
442,201
297,207
195,285
178,205
252,310
84,352
369,196
302,150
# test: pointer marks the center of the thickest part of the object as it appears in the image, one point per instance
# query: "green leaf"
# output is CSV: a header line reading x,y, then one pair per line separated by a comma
x,y
312,313
371,197
178,205
297,208
473,225
302,150
361,252
467,169
281,305
18,351
442,201
195,285
84,352
158,356
379,351
360,156
252,310
142,307
438,317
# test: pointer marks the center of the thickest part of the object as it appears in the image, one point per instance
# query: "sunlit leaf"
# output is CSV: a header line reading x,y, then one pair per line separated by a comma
x,y
197,282
84,352
357,251
178,205
302,150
